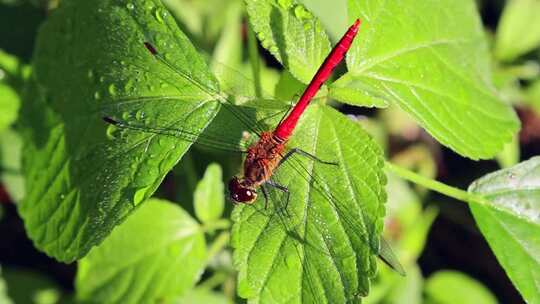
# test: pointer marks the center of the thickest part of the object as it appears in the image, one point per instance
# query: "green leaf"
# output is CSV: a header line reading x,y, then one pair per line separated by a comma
x,y
509,156
390,287
323,249
155,255
333,15
8,64
26,286
405,221
446,287
510,221
84,175
518,31
291,34
3,291
10,161
9,103
201,295
288,88
228,48
209,196
431,59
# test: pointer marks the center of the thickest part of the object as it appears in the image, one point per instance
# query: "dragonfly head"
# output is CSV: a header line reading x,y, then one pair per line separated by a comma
x,y
240,192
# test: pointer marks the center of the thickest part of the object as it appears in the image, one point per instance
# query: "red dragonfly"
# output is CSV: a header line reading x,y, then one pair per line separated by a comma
x,y
270,152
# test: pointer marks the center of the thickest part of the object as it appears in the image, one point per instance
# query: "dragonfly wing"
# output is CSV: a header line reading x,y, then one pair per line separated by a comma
x,y
387,255
128,114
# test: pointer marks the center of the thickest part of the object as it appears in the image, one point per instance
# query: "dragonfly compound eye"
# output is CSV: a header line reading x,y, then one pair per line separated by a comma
x,y
241,194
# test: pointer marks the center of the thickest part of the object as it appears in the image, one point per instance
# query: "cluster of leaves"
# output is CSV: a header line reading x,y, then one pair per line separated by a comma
x,y
83,178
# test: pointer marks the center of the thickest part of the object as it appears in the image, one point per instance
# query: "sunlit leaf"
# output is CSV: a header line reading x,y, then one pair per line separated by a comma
x,y
431,59
10,161
292,35
209,196
155,255
518,31
84,176
9,105
509,219
447,287
323,250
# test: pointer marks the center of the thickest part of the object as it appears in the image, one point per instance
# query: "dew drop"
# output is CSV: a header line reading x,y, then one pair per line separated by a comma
x,y
102,79
139,115
130,6
138,196
291,261
126,115
90,74
158,14
285,3
112,132
97,95
112,89
301,13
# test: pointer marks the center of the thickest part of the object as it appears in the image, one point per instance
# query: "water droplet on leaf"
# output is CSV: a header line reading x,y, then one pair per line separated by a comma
x,y
112,89
301,13
285,3
112,132
139,115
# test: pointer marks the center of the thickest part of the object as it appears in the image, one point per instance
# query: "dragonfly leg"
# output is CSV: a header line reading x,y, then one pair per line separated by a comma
x,y
306,154
282,189
265,194
287,112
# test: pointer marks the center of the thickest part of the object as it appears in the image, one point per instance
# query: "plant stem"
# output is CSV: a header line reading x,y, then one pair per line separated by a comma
x,y
217,225
431,184
254,59
215,280
219,243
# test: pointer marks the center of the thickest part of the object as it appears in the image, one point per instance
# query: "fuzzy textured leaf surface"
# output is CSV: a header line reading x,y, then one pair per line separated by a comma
x,y
155,255
83,175
511,222
323,248
291,33
518,31
430,58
